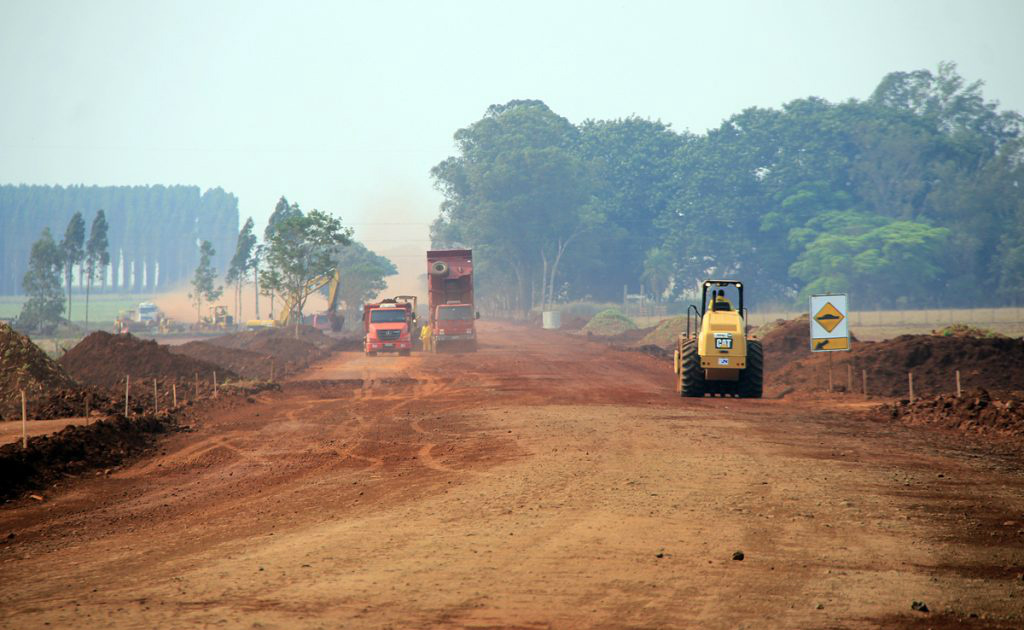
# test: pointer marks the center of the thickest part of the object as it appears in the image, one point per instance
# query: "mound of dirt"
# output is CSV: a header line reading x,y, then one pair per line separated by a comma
x,y
245,363
666,332
287,352
103,360
609,322
785,339
975,412
573,323
990,362
23,366
76,449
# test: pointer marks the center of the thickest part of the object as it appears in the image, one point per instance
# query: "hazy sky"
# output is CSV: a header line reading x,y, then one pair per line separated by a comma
x,y
346,106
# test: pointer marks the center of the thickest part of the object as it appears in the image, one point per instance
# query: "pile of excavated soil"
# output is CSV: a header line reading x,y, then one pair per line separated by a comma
x,y
785,340
23,366
103,360
975,412
608,323
666,333
76,449
573,323
287,352
272,352
994,363
245,363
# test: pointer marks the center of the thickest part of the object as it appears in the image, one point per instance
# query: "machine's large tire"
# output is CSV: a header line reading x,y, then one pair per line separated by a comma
x,y
404,353
691,374
751,383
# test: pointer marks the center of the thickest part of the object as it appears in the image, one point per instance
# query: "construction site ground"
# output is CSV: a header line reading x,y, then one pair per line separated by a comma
x,y
543,482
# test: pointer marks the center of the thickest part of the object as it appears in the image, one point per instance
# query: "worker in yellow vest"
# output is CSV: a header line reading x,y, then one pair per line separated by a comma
x,y
425,337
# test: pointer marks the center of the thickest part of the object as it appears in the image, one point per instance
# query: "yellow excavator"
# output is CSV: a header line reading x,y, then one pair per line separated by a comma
x,y
714,356
330,319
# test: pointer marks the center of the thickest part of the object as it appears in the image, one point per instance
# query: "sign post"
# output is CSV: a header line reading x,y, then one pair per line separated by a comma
x,y
830,331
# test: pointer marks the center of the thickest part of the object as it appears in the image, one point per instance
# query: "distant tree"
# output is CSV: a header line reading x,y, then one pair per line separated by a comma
x,y
282,210
204,279
72,251
363,274
97,255
519,191
657,271
242,262
300,248
871,255
42,284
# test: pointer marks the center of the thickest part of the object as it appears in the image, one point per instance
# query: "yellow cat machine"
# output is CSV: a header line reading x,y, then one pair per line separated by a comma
x,y
714,355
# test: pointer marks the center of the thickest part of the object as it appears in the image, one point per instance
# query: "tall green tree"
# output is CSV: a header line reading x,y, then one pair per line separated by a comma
x,y
97,255
41,283
302,247
519,192
72,249
363,276
204,279
242,262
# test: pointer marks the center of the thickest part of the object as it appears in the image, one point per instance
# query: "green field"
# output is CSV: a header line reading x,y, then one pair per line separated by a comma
x,y
103,308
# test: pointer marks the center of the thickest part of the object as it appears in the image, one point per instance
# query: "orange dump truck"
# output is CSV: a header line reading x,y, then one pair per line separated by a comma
x,y
390,325
450,292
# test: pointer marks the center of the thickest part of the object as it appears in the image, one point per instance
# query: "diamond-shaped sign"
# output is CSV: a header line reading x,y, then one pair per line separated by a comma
x,y
828,317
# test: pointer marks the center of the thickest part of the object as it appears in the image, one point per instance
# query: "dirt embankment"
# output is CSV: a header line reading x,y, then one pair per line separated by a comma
x,y
995,363
286,352
50,391
104,360
245,363
76,450
976,411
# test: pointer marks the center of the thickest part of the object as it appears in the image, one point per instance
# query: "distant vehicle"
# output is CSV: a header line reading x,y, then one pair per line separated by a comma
x,y
147,317
390,325
450,298
148,314
329,319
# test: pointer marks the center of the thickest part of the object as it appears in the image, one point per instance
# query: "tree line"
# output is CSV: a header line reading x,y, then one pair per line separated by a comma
x,y
153,231
297,247
913,196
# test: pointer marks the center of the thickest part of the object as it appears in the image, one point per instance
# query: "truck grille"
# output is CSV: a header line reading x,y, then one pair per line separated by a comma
x,y
388,335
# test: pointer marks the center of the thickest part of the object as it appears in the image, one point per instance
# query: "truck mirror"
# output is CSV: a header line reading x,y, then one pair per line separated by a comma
x,y
478,314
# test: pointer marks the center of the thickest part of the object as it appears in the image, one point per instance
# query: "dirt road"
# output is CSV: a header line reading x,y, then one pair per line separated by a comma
x,y
545,483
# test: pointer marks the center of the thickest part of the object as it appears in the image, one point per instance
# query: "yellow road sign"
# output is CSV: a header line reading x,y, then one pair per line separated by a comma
x,y
828,317
835,343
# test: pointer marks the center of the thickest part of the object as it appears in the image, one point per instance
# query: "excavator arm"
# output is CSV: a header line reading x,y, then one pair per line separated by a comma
x,y
331,280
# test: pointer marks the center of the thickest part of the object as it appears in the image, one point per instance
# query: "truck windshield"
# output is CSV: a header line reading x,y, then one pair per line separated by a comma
x,y
454,312
387,315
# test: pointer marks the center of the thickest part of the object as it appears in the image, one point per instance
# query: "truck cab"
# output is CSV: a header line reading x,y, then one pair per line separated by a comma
x,y
455,323
148,314
389,327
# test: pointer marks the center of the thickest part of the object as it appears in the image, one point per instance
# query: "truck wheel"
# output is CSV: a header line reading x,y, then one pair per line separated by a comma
x,y
751,382
404,353
371,353
691,374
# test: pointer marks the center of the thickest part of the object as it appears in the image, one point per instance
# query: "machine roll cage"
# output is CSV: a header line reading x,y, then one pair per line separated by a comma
x,y
698,315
